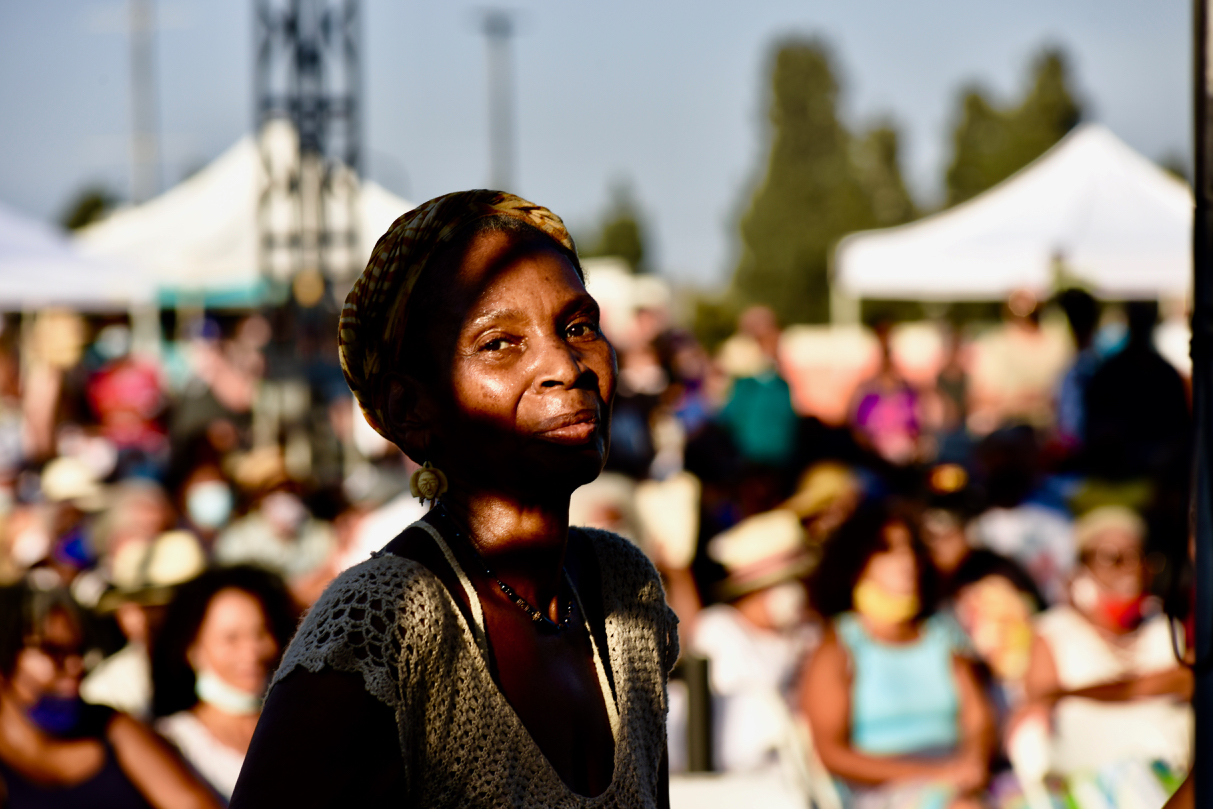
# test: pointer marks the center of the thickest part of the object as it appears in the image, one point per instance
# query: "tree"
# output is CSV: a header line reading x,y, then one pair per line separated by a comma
x,y
622,233
990,143
820,183
877,164
89,205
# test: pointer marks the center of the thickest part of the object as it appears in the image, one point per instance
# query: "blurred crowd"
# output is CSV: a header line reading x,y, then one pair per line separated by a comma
x,y
970,589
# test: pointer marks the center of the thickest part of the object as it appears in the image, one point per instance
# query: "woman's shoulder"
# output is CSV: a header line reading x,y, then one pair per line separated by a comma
x,y
620,559
367,617
1058,621
632,592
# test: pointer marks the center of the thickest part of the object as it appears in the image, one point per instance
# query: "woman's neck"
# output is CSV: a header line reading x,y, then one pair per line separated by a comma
x,y
893,633
523,543
231,730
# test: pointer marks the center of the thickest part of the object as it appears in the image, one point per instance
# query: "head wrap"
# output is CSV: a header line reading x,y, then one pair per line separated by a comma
x,y
373,318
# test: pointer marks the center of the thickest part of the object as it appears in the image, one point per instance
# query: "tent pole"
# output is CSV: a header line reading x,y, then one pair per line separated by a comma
x,y
1202,395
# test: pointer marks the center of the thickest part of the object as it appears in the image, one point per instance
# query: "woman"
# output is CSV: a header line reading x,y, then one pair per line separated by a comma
x,y
489,655
57,751
1102,679
896,715
220,640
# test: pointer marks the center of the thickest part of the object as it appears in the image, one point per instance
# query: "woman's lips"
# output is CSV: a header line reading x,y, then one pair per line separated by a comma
x,y
573,428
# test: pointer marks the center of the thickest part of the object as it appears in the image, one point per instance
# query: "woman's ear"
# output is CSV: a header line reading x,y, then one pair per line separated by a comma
x,y
410,415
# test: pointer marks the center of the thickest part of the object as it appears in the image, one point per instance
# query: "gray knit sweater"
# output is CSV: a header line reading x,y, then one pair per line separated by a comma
x,y
393,622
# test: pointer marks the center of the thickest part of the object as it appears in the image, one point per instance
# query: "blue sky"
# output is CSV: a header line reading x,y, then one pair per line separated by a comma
x,y
668,95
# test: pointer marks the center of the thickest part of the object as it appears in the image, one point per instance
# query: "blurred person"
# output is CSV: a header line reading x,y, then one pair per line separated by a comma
x,y
56,750
1021,520
949,402
127,397
207,501
826,496
758,414
223,378
138,510
756,637
1137,417
144,574
1082,313
991,597
279,533
896,714
461,666
1103,685
221,639
884,411
73,497
1016,368
690,369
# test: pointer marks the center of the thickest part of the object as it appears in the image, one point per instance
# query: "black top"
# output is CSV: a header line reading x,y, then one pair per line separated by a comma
x,y
109,788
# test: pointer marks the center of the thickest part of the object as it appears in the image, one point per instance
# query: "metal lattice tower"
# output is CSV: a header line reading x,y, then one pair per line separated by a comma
x,y
308,117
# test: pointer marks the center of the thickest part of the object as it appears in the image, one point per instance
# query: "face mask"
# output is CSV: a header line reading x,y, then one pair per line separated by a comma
x,y
209,504
57,716
874,602
785,604
213,690
1116,609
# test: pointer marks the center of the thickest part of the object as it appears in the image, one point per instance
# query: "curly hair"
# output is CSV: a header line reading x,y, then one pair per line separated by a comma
x,y
173,677
846,556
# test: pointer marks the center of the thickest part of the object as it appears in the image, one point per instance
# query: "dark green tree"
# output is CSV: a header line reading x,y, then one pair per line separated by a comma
x,y
820,183
89,205
877,164
991,143
623,233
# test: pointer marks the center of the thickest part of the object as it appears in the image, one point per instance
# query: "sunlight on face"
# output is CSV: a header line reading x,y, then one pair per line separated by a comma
x,y
50,663
531,374
234,642
894,569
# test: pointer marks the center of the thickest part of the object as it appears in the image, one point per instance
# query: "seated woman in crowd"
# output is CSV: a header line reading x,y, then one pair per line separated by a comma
x,y
56,750
896,715
1103,683
221,640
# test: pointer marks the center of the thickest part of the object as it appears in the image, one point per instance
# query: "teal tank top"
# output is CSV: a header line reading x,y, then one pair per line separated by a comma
x,y
903,696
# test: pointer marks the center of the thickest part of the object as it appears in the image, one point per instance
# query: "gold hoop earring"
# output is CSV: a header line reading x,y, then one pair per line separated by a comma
x,y
428,483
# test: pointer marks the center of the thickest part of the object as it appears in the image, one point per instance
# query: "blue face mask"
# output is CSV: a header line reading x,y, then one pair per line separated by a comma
x,y
57,716
209,504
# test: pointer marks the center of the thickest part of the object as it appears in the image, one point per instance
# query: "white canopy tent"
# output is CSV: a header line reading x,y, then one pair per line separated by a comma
x,y
1115,221
199,240
40,267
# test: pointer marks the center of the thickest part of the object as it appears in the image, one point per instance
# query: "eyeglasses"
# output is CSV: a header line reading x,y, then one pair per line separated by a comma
x,y
58,653
1110,558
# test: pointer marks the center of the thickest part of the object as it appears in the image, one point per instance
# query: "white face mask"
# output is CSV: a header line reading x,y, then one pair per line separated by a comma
x,y
209,504
785,604
215,691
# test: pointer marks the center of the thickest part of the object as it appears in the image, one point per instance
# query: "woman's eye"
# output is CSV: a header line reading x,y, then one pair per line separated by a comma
x,y
583,329
496,344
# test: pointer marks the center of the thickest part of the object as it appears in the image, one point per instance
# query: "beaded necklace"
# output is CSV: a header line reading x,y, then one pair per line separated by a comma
x,y
537,617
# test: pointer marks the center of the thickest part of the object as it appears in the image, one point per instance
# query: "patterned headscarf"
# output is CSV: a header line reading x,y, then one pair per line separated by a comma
x,y
375,312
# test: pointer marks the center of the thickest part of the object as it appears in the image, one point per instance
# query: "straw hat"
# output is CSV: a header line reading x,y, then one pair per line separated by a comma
x,y
71,480
1105,518
147,572
762,551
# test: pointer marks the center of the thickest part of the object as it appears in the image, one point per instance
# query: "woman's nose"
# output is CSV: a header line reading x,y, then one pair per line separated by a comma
x,y
560,364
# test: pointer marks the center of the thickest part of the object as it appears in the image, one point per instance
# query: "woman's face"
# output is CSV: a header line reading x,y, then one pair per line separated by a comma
x,y
234,643
944,536
894,568
50,664
531,377
1114,559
